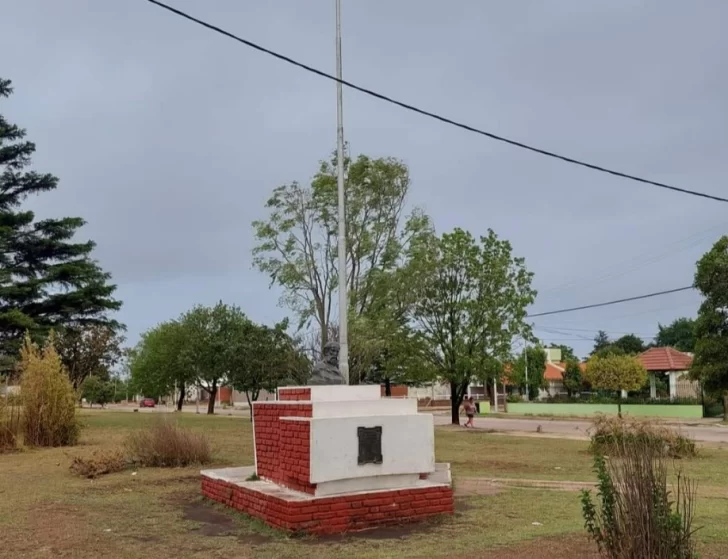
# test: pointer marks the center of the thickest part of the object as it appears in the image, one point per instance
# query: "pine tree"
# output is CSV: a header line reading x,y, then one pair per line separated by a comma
x,y
47,281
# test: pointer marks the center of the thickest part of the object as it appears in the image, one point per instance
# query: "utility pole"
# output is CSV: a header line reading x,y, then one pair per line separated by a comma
x,y
343,297
525,359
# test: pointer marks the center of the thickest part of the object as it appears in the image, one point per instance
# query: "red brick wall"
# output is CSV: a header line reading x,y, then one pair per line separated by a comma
x,y
397,390
331,515
282,449
298,394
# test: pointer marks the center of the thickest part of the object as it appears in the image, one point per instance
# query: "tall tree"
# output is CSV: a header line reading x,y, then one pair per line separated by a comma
x,y
47,281
530,363
616,373
601,340
471,299
630,344
297,243
572,377
710,364
89,350
680,334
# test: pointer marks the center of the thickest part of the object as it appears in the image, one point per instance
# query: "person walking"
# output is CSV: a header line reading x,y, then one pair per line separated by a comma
x,y
469,408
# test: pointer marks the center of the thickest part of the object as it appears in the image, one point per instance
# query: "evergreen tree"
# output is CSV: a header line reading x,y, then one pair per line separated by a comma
x,y
47,281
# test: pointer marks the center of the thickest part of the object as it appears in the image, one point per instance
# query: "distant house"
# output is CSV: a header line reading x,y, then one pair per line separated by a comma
x,y
673,363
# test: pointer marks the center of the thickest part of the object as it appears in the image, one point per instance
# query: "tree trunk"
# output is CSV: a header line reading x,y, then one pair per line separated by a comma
x,y
387,387
211,403
457,393
181,400
725,407
250,405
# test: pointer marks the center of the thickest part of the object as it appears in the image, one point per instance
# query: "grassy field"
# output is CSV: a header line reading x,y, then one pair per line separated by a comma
x,y
45,511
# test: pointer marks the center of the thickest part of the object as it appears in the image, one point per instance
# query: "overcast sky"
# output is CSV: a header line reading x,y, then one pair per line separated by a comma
x,y
168,138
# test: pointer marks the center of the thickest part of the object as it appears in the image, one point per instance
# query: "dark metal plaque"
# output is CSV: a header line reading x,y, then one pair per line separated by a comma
x,y
370,445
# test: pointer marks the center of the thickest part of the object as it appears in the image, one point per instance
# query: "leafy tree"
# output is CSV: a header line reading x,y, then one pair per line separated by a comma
x,y
679,334
47,281
616,372
630,344
533,360
710,364
601,341
297,243
97,391
572,377
567,352
607,350
159,364
89,350
470,303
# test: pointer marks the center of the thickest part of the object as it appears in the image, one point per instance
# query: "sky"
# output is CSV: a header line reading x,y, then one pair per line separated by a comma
x,y
168,138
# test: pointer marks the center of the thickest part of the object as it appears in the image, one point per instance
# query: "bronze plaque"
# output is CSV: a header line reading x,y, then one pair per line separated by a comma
x,y
370,445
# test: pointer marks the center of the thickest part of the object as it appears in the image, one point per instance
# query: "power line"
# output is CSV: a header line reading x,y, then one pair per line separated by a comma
x,y
436,116
627,299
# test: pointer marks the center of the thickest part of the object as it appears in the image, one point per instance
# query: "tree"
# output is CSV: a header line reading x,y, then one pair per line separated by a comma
x,y
97,391
47,281
159,364
470,303
297,243
679,334
630,344
532,360
710,364
616,372
89,350
601,341
567,352
572,377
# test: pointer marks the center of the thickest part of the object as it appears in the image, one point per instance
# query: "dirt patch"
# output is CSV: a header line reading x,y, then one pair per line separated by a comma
x,y
542,548
473,487
213,522
385,533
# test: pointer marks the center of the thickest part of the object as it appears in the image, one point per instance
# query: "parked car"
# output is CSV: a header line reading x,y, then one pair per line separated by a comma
x,y
147,403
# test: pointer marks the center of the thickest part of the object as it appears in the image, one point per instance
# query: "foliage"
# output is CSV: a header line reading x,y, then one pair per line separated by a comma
x,y
470,300
567,352
612,436
101,462
297,243
601,341
89,350
679,334
164,444
48,398
710,364
630,344
97,391
636,514
10,424
615,372
532,359
573,381
47,281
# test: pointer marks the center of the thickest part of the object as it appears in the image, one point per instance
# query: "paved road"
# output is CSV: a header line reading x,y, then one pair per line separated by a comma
x,y
579,429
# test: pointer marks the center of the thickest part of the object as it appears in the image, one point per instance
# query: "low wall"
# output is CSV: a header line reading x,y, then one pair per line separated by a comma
x,y
586,410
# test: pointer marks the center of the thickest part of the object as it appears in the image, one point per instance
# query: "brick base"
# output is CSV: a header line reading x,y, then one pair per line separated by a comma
x,y
331,515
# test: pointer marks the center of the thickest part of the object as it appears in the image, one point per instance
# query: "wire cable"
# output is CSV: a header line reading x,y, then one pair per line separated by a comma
x,y
436,116
615,302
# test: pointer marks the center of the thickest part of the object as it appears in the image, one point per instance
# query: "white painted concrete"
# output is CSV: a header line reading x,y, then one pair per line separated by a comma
x,y
376,483
408,447
340,393
383,406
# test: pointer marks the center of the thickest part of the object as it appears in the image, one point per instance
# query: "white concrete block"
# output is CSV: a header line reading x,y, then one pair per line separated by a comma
x,y
354,408
338,393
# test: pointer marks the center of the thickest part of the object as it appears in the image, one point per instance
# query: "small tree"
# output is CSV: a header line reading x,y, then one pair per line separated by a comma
x,y
533,362
616,372
572,377
88,350
97,391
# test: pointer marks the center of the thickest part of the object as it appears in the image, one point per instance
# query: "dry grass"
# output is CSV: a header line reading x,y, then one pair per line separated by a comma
x,y
165,444
10,426
122,515
101,462
47,397
614,435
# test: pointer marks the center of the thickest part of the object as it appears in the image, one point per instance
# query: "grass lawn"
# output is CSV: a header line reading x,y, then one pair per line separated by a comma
x,y
47,512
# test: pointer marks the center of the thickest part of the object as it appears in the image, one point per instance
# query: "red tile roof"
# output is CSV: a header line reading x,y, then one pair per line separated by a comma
x,y
554,371
665,359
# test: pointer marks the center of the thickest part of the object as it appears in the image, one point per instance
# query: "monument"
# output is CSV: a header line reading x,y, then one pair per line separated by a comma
x,y
332,458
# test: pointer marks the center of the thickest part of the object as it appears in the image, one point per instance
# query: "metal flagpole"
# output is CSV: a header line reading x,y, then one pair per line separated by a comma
x,y
343,298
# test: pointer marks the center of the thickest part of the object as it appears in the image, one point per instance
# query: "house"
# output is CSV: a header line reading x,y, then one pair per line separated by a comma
x,y
673,363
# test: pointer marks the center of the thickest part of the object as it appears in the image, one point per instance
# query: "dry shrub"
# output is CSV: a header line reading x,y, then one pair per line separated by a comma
x,y
48,398
101,462
165,444
636,514
611,435
10,425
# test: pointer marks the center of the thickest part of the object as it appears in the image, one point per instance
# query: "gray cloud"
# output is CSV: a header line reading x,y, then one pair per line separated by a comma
x,y
168,138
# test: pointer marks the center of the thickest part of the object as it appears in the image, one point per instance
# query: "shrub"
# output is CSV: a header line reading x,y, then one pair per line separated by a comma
x,y
48,398
99,463
636,515
10,425
166,445
612,435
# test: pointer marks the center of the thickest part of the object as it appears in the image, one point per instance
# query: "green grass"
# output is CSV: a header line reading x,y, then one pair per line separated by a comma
x,y
45,511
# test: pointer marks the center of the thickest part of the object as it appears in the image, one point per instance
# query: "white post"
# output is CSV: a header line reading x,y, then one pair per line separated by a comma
x,y
525,357
495,395
653,386
673,384
343,298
